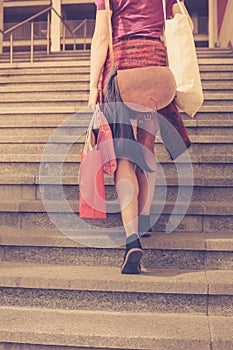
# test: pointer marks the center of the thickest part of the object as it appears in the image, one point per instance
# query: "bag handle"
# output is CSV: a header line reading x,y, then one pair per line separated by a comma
x,y
164,9
87,144
109,25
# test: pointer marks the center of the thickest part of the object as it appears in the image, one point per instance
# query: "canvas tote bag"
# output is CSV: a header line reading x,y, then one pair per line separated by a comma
x,y
182,60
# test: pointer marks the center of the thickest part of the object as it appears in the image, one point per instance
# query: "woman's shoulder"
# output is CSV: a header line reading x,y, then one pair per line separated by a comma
x,y
100,4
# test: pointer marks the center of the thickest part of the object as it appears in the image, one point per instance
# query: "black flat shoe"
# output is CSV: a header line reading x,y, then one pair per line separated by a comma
x,y
133,255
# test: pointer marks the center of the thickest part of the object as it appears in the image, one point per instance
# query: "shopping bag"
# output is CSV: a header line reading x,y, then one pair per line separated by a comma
x,y
105,143
92,200
182,60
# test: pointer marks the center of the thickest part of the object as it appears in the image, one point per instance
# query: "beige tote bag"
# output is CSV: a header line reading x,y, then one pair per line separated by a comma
x,y
182,60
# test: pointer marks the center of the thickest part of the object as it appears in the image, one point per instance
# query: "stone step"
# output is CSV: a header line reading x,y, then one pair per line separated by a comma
x,y
111,330
54,159
213,50
44,118
172,181
213,85
20,188
219,77
45,65
99,288
82,70
80,93
207,166
183,215
56,86
69,103
11,145
61,68
48,78
211,80
213,67
83,117
210,111
70,54
57,205
205,193
215,60
216,81
47,58
82,82
101,247
218,107
223,95
73,102
24,129
67,55
85,60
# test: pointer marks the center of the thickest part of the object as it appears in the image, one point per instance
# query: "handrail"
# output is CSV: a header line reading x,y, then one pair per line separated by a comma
x,y
27,20
36,16
80,25
84,22
30,19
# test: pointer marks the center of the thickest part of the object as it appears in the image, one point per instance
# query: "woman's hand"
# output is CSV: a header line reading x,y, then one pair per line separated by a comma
x,y
176,9
93,97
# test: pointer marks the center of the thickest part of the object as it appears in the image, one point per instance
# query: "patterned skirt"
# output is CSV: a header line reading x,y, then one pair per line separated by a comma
x,y
135,52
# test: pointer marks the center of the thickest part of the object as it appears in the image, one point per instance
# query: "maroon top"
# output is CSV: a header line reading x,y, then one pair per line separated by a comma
x,y
137,17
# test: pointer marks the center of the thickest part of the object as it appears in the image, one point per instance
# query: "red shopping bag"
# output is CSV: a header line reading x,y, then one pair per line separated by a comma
x,y
92,200
105,144
92,191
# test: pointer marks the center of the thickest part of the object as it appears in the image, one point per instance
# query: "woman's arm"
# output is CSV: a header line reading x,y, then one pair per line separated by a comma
x,y
99,49
176,9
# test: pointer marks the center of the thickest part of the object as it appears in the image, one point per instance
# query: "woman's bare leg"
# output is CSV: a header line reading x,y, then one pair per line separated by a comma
x,y
146,181
127,189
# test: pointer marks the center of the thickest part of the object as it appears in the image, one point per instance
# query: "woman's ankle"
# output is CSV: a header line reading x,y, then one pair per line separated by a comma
x,y
144,223
134,237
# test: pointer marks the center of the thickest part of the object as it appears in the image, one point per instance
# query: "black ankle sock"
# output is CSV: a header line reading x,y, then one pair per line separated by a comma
x,y
132,241
144,223
132,238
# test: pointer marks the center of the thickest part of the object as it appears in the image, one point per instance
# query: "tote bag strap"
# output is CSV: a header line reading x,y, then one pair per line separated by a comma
x,y
164,9
109,24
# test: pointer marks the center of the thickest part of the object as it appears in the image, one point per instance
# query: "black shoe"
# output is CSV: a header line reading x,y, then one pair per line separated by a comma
x,y
133,255
144,227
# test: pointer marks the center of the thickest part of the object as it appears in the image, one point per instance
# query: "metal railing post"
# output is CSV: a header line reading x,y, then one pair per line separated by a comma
x,y
83,24
32,42
63,37
11,48
48,33
85,35
74,43
48,38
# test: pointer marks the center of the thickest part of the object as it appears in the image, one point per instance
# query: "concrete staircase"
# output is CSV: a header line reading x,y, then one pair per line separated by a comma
x,y
62,293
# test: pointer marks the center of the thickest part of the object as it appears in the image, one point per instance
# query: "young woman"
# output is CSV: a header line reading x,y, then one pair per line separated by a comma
x,y
137,27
